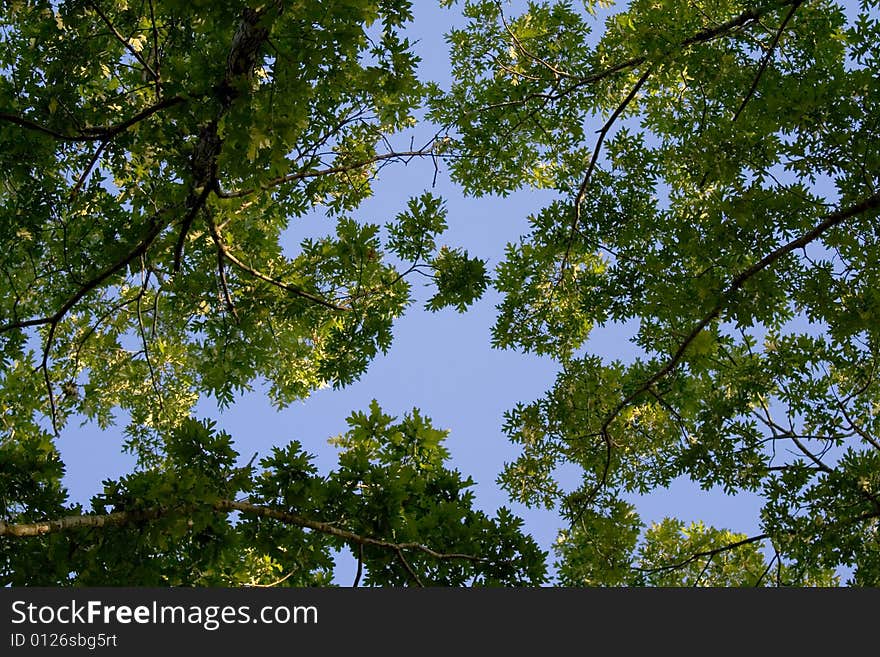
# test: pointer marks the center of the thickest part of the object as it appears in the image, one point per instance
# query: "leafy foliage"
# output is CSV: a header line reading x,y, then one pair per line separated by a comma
x,y
175,146
154,157
172,524
674,555
716,168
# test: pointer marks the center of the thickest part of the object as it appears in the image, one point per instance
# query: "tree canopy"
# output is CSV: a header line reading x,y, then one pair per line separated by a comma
x,y
714,167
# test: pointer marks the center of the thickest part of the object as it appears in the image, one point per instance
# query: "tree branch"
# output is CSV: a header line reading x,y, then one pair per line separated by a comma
x,y
221,273
402,558
143,335
195,202
856,427
709,34
88,169
582,190
404,156
360,568
519,46
293,289
36,127
94,134
123,261
830,221
767,57
124,41
124,518
112,131
704,553
155,52
278,581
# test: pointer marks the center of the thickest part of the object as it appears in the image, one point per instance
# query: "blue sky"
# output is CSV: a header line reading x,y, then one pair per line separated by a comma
x,y
440,362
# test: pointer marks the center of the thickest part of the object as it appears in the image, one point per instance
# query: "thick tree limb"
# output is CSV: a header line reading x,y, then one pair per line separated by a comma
x,y
249,37
204,170
360,567
125,518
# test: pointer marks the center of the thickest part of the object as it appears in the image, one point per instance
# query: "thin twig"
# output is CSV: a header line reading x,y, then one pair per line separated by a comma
x,y
743,19
276,582
856,427
404,156
519,45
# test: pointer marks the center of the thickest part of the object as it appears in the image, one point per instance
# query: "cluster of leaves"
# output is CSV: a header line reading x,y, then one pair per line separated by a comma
x,y
717,165
195,519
